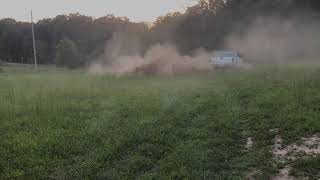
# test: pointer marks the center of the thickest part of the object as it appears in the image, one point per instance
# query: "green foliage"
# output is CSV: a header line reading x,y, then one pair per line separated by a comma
x,y
71,125
307,167
206,24
68,55
87,34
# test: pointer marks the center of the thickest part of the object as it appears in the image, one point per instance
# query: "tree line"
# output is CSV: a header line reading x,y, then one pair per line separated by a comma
x,y
76,40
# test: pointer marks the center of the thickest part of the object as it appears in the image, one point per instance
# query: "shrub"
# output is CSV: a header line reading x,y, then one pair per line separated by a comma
x,y
68,55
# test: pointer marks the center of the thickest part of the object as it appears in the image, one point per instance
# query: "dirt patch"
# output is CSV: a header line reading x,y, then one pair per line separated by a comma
x,y
284,174
307,146
274,131
249,143
251,175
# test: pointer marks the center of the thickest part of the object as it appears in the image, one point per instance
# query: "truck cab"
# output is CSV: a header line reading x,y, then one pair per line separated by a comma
x,y
223,59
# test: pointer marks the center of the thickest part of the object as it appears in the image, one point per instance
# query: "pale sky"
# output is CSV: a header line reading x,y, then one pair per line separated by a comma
x,y
135,10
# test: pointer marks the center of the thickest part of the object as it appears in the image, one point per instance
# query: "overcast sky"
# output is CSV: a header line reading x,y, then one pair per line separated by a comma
x,y
135,10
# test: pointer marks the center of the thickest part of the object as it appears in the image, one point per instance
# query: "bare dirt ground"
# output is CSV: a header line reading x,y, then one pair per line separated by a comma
x,y
307,146
288,154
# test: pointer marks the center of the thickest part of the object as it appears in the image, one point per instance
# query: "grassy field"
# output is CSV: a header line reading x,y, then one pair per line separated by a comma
x,y
71,125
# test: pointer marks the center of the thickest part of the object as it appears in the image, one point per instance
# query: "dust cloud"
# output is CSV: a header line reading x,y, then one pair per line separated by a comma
x,y
161,59
278,40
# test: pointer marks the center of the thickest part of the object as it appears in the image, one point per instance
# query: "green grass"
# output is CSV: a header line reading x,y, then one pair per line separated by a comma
x,y
307,167
71,125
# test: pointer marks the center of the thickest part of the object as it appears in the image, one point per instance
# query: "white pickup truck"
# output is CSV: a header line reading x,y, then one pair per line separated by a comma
x,y
224,59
